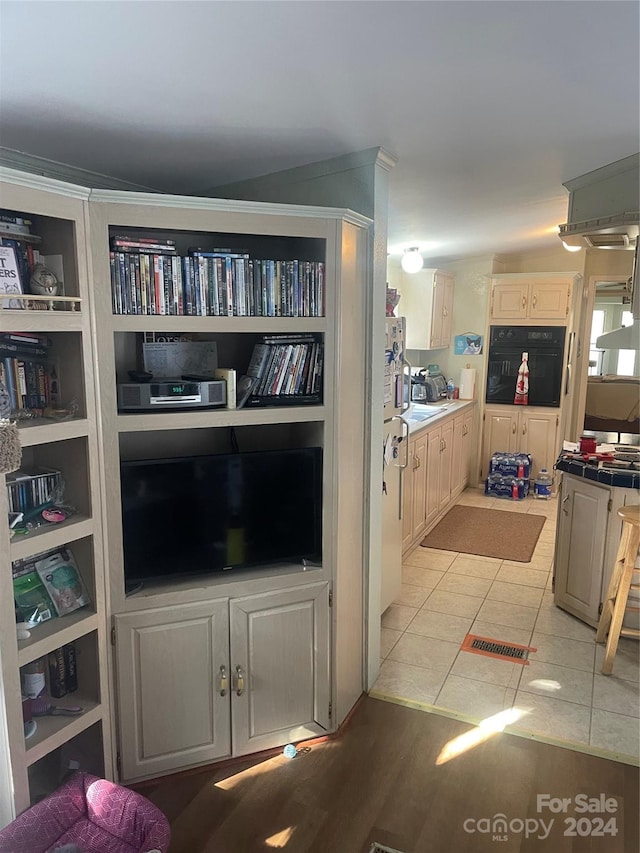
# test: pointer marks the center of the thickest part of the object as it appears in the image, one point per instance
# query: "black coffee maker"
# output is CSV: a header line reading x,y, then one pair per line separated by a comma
x,y
419,390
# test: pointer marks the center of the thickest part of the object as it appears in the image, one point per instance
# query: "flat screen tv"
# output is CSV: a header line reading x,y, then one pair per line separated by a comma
x,y
201,514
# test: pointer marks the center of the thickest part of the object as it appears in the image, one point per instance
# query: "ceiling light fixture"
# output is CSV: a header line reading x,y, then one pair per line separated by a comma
x,y
571,248
412,260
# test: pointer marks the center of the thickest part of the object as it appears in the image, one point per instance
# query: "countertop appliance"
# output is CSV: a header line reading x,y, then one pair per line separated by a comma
x,y
428,389
545,346
395,452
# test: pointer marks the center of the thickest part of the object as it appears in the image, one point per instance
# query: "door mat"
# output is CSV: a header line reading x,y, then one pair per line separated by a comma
x,y
497,649
487,533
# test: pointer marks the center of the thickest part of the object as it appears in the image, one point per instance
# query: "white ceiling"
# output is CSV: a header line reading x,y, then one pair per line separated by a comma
x,y
488,106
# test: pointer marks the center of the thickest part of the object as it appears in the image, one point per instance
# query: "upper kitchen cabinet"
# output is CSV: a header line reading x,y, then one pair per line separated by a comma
x,y
427,303
531,297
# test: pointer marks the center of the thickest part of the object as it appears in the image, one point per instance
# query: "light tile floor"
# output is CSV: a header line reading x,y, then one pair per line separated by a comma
x,y
561,694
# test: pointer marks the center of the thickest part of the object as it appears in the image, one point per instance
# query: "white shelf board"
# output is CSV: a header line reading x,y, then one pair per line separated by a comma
x,y
55,633
203,418
257,325
42,431
51,536
12,320
52,732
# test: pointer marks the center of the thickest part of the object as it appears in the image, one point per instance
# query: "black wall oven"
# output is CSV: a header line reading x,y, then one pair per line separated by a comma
x,y
545,345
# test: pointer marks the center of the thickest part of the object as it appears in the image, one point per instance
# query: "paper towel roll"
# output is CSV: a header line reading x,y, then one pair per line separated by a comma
x,y
467,383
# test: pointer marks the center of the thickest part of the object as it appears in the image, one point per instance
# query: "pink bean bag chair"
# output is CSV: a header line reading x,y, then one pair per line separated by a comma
x,y
90,815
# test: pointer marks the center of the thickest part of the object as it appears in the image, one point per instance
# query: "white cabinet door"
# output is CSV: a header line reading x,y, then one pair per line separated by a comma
x,y
499,434
448,282
549,301
419,461
172,711
537,434
407,501
466,448
509,301
391,563
434,443
446,458
427,303
580,543
279,667
458,467
437,311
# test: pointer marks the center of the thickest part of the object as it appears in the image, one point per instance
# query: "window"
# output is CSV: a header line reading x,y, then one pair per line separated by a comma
x,y
595,355
626,357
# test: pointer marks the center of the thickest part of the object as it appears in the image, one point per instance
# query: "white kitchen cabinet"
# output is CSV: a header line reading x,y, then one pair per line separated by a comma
x,y
427,303
415,491
200,681
461,453
517,429
587,537
530,297
432,474
445,465
580,543
466,448
439,459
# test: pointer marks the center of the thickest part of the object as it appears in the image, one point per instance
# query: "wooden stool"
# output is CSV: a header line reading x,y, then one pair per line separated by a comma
x,y
619,586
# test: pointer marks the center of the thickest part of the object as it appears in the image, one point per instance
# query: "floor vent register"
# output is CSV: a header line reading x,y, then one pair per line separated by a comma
x,y
497,649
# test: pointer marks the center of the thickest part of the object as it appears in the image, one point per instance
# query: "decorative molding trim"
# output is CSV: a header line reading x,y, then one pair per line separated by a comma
x,y
228,205
35,165
386,160
40,182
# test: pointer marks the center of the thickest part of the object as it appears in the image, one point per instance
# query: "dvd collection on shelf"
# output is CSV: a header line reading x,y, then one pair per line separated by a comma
x,y
26,491
283,370
149,278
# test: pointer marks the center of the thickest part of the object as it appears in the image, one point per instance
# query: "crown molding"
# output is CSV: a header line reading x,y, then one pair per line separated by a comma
x,y
228,205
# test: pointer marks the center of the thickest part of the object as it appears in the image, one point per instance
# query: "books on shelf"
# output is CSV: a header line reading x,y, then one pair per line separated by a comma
x,y
26,371
149,278
11,278
63,671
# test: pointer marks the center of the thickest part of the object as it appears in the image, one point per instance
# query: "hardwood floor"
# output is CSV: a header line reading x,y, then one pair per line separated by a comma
x,y
379,781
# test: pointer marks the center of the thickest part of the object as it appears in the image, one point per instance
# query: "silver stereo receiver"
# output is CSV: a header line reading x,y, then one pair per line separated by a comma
x,y
171,394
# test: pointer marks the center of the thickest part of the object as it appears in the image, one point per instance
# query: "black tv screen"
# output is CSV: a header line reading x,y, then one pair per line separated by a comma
x,y
201,514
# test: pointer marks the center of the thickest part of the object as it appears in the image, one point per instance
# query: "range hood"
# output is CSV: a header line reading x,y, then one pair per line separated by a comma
x,y
604,213
604,207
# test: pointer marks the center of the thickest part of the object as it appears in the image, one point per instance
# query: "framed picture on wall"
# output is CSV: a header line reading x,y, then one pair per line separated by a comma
x,y
468,344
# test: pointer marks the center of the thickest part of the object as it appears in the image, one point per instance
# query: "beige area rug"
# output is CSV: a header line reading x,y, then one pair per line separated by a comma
x,y
487,533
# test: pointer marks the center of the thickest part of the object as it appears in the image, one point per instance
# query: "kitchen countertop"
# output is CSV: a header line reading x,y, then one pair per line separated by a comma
x,y
625,479
423,415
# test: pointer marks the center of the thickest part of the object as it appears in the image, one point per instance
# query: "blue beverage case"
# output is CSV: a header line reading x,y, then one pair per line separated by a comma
x,y
513,464
506,486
